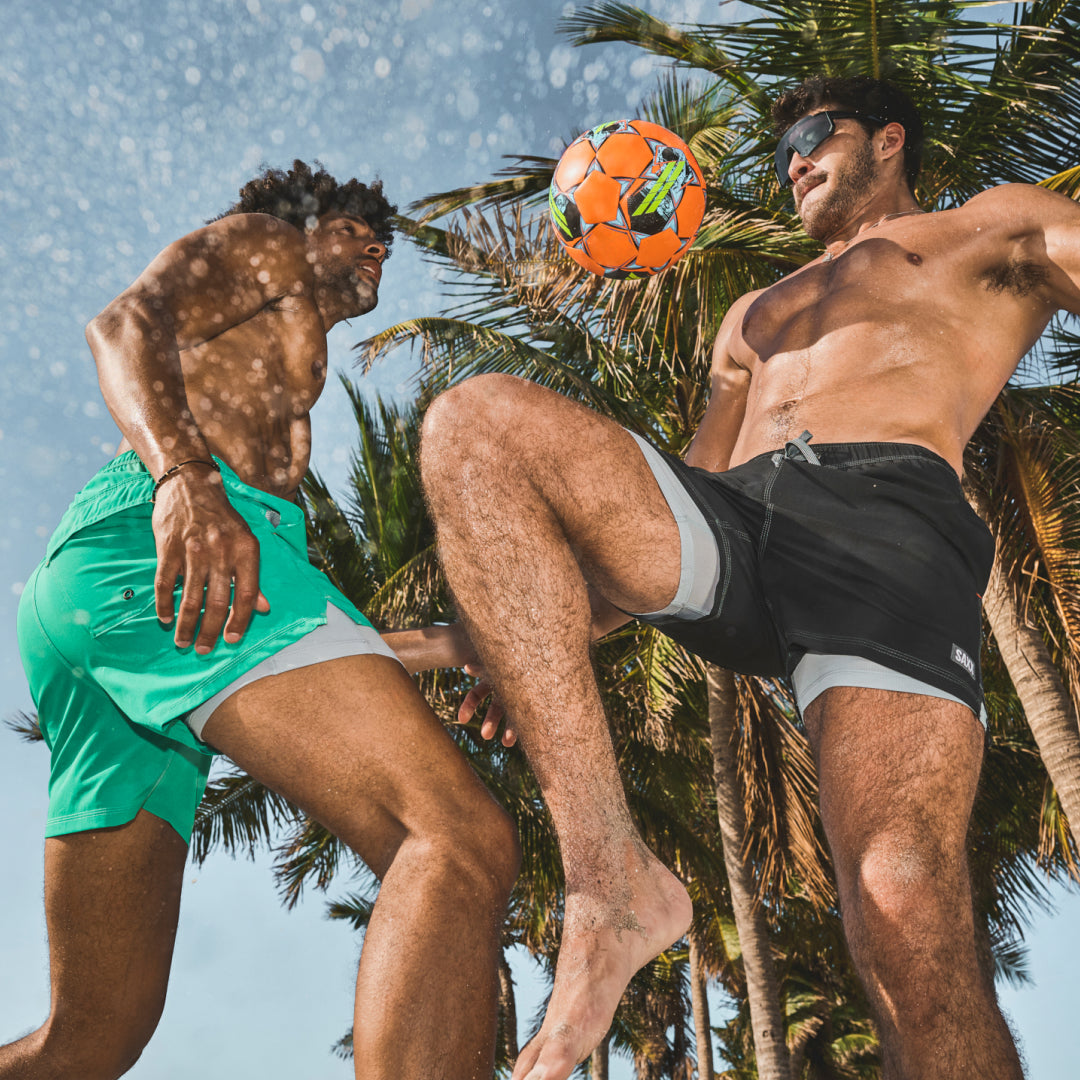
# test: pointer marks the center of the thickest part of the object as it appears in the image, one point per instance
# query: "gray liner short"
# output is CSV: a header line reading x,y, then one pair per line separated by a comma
x,y
338,636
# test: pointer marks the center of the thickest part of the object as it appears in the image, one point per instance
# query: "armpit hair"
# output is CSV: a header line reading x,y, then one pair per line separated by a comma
x,y
1017,276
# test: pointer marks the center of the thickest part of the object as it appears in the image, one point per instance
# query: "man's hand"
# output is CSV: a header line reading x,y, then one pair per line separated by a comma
x,y
495,713
203,540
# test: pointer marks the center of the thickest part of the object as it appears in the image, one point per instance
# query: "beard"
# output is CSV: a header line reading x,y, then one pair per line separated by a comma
x,y
343,278
852,181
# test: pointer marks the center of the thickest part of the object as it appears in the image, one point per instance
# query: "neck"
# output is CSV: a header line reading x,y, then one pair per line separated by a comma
x,y
873,213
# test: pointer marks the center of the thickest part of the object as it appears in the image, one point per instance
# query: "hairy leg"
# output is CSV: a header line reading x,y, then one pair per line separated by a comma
x,y
352,742
112,897
898,774
534,497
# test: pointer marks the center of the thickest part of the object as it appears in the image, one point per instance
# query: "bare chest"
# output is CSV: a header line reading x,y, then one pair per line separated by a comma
x,y
270,368
906,334
937,287
251,390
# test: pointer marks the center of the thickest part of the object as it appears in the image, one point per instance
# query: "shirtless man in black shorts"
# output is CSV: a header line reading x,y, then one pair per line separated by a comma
x,y
176,615
817,529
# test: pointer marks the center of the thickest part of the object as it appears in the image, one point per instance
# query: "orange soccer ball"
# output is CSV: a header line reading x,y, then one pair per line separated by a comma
x,y
627,199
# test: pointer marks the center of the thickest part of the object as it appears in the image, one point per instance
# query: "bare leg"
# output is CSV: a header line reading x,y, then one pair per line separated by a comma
x,y
353,743
112,897
898,775
533,496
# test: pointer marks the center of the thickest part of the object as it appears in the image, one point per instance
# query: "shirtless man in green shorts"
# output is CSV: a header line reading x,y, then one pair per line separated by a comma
x,y
850,562
176,615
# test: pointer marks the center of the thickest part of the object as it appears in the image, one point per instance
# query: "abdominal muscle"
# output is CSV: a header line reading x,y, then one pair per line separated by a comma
x,y
862,389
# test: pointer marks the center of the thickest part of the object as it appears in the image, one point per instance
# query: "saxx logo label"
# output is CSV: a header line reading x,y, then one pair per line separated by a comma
x,y
960,657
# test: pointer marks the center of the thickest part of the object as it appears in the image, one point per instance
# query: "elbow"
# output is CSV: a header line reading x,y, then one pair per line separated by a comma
x,y
128,321
104,328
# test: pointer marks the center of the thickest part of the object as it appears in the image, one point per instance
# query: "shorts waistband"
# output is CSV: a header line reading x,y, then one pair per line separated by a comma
x,y
845,453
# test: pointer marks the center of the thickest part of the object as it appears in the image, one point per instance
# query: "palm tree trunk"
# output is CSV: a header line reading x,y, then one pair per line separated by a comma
x,y
1050,714
762,989
598,1063
700,1003
508,1009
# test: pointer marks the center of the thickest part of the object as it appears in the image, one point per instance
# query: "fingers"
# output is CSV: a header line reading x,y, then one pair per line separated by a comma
x,y
246,596
168,570
491,720
494,715
472,701
217,558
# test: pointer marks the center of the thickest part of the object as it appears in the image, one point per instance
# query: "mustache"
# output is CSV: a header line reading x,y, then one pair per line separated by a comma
x,y
808,183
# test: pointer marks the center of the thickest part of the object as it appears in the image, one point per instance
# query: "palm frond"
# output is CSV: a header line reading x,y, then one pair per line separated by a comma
x,y
237,815
355,908
312,854
778,776
26,726
524,183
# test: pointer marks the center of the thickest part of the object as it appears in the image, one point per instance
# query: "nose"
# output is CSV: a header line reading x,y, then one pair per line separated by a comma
x,y
798,166
375,249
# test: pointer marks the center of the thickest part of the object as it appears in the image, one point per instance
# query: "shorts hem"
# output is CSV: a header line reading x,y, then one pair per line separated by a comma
x,y
800,642
104,818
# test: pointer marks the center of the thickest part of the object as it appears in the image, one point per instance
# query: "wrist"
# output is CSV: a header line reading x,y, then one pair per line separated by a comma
x,y
174,470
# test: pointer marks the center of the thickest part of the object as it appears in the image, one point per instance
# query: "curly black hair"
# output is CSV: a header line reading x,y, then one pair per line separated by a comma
x,y
860,93
300,194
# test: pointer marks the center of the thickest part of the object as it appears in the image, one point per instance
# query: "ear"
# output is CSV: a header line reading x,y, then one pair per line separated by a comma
x,y
890,140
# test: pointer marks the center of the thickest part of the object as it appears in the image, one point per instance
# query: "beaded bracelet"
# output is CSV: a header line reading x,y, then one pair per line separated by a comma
x,y
176,468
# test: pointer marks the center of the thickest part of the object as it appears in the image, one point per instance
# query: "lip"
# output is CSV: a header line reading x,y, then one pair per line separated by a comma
x,y
372,268
803,188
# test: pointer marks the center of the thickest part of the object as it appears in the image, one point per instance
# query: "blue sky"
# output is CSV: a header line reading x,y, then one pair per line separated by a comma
x,y
128,124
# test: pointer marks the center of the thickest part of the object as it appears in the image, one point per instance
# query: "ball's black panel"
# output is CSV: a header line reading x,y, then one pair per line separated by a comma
x,y
564,215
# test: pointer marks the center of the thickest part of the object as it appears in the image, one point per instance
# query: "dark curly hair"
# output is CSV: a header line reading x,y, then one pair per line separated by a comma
x,y
299,194
860,93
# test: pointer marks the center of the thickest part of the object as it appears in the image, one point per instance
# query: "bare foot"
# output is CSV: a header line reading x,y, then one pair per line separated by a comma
x,y
605,941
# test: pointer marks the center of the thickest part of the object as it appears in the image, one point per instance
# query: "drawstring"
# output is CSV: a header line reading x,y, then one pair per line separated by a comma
x,y
800,447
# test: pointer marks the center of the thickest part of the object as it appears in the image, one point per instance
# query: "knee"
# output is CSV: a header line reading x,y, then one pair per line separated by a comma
x,y
480,860
473,410
492,854
909,887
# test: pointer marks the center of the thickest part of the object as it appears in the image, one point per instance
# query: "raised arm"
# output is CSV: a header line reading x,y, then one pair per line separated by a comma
x,y
195,289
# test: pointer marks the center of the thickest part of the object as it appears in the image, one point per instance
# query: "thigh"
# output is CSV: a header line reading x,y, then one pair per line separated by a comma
x,y
492,441
352,742
112,898
893,769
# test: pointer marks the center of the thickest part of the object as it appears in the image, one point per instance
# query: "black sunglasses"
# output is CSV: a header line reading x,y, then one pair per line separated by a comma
x,y
807,135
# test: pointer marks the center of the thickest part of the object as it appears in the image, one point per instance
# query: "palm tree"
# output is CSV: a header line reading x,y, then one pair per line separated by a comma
x,y
1023,472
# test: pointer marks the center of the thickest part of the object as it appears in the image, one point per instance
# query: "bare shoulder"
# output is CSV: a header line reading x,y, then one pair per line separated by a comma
x,y
214,278
253,245
1013,205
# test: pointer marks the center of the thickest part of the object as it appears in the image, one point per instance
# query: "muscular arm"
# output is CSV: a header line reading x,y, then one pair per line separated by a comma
x,y
729,386
195,289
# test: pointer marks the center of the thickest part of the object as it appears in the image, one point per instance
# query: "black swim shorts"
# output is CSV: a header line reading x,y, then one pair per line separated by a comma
x,y
855,549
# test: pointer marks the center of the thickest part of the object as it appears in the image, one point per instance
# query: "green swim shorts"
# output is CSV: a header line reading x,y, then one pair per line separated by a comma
x,y
111,687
